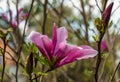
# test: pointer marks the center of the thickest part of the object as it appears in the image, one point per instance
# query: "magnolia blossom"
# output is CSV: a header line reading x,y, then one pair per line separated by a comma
x,y
106,14
104,45
13,20
57,51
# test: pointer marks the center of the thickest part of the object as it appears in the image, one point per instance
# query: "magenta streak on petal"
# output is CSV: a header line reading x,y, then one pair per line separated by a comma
x,y
48,46
61,39
77,54
69,57
62,52
54,37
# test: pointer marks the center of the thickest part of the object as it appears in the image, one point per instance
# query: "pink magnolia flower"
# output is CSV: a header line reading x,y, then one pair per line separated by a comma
x,y
104,45
13,20
57,51
106,14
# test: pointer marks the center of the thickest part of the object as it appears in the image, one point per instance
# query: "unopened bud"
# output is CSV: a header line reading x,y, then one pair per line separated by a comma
x,y
29,64
106,14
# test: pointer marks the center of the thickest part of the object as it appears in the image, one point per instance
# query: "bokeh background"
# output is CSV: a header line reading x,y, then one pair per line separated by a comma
x,y
78,18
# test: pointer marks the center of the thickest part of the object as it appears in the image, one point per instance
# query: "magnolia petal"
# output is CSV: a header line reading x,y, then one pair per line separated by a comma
x,y
85,47
69,57
77,53
42,42
48,46
61,39
63,50
54,36
87,53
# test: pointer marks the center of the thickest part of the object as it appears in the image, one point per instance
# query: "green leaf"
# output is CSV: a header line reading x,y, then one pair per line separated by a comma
x,y
98,24
26,49
34,48
10,30
42,60
41,73
96,38
110,24
2,34
88,72
104,55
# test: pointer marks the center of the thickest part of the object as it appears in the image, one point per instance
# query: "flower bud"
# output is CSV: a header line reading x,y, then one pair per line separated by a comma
x,y
29,64
104,45
4,17
106,14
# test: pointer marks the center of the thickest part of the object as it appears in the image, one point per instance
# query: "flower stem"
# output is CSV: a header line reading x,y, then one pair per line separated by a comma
x,y
99,57
40,76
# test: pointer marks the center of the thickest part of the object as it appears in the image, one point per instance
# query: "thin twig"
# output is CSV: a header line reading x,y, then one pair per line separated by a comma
x,y
60,13
17,27
12,49
85,21
105,4
20,48
98,6
9,10
115,72
45,16
98,58
43,26
40,75
75,6
110,52
3,54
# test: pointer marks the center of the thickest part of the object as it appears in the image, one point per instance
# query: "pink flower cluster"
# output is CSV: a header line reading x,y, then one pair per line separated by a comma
x,y
12,21
57,51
